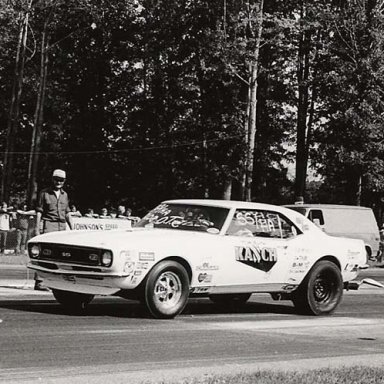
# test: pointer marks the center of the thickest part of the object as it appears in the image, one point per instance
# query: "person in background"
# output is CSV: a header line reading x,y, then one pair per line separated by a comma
x,y
74,212
52,210
121,212
381,244
91,214
128,215
113,213
5,225
24,218
104,214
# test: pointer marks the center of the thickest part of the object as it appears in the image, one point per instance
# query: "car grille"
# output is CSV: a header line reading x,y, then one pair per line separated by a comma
x,y
70,254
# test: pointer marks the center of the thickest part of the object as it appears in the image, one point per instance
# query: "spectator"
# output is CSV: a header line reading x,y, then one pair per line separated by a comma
x,y
113,213
128,215
74,212
5,225
104,214
121,212
24,220
91,214
52,210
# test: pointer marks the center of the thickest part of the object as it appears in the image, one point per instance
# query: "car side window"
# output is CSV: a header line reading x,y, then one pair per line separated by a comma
x,y
260,223
316,216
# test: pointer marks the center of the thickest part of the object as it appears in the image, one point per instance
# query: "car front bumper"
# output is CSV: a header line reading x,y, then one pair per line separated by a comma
x,y
95,283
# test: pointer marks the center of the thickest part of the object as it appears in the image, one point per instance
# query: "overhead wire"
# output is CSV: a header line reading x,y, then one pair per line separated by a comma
x,y
127,150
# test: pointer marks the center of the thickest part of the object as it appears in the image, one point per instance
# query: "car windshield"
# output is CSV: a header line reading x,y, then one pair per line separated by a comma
x,y
185,217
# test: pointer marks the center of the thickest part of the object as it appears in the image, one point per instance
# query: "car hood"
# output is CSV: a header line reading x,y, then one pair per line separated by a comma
x,y
116,238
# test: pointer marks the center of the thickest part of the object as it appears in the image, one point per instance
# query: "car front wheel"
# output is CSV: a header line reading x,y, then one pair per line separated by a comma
x,y
72,301
321,290
166,290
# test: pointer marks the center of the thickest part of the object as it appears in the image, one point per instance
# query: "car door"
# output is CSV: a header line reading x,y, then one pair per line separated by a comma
x,y
261,244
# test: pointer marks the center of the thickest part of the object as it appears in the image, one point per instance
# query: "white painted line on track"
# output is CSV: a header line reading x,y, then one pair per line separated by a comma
x,y
297,323
326,324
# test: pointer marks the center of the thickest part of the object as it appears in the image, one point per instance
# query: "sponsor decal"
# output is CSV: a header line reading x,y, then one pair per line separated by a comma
x,y
262,258
138,273
352,254
289,287
140,265
300,262
66,254
129,267
89,224
146,256
350,268
207,267
204,277
200,290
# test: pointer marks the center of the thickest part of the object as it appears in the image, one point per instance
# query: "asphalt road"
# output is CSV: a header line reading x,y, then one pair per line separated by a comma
x,y
114,341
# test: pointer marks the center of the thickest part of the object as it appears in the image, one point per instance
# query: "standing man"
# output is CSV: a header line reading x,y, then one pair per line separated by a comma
x,y
53,206
52,210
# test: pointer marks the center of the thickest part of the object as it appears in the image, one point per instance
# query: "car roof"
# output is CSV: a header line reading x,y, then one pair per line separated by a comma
x,y
327,206
225,203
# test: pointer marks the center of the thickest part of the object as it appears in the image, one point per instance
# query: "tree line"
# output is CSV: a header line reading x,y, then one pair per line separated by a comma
x,y
145,100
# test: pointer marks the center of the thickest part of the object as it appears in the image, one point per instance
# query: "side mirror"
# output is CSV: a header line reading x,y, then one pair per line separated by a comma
x,y
317,222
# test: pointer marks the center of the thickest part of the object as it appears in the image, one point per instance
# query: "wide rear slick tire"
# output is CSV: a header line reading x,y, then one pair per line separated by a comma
x,y
72,301
166,290
321,291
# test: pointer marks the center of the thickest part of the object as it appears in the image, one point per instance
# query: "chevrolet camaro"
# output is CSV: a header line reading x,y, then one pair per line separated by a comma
x,y
224,250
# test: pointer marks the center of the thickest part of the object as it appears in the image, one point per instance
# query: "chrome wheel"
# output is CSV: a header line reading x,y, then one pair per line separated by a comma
x,y
168,289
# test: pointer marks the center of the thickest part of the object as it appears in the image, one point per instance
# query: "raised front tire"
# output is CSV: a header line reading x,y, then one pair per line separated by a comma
x,y
72,301
231,299
321,290
166,290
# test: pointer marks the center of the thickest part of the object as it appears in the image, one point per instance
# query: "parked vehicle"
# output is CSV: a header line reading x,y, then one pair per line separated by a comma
x,y
345,221
225,250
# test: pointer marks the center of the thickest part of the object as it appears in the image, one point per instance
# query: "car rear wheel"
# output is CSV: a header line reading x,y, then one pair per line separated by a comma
x,y
231,299
166,290
72,301
321,290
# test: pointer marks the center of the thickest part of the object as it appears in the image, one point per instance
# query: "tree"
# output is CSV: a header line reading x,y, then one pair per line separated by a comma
x,y
14,109
350,148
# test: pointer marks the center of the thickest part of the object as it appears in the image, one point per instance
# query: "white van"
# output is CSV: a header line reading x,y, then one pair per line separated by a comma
x,y
345,221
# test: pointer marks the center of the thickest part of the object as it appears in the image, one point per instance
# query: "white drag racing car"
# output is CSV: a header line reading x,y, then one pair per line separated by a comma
x,y
225,250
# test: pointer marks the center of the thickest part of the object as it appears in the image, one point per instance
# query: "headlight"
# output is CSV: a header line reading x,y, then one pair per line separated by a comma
x,y
34,251
106,258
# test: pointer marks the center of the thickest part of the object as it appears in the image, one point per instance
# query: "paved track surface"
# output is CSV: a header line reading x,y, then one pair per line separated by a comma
x,y
114,341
